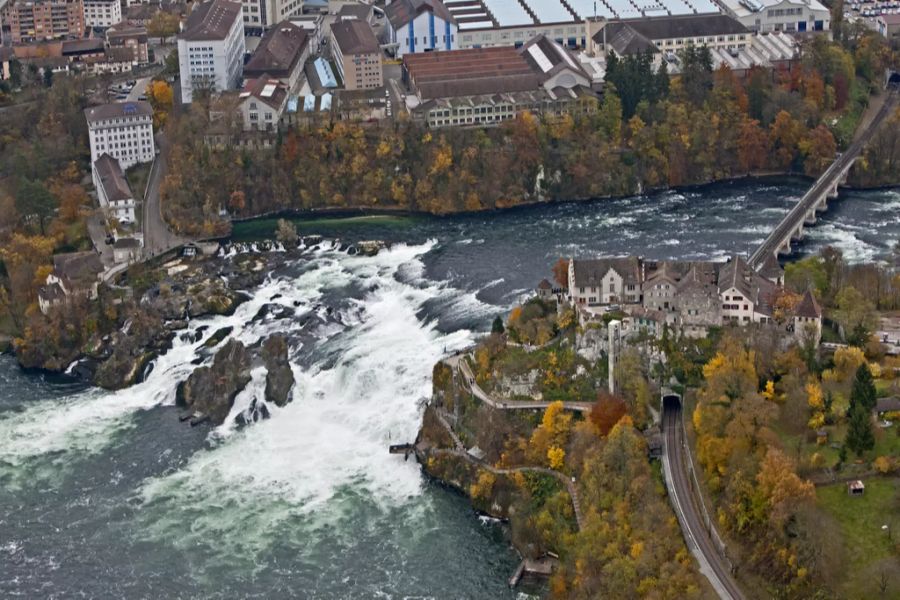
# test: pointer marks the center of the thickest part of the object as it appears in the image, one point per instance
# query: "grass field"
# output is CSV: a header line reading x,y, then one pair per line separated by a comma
x,y
869,550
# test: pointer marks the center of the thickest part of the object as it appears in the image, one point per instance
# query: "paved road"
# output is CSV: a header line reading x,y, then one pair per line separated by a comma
x,y
826,181
712,564
511,404
158,238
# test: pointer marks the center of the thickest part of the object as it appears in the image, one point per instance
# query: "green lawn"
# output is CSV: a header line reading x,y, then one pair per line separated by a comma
x,y
868,549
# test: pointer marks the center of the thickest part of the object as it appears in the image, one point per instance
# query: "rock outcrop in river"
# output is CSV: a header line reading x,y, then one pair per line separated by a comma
x,y
211,390
279,377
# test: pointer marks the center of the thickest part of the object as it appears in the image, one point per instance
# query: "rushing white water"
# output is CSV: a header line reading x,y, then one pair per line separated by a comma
x,y
363,388
355,400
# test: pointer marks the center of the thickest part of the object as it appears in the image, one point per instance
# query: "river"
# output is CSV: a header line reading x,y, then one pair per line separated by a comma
x,y
108,495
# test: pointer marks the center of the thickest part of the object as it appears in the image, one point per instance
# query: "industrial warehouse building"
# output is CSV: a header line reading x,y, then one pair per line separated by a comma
x,y
478,86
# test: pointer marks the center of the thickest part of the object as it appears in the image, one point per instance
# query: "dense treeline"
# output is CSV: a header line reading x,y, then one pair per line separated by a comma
x,y
649,131
629,544
44,157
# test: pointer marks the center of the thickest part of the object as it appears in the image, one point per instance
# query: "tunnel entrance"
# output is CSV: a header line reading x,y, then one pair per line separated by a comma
x,y
671,401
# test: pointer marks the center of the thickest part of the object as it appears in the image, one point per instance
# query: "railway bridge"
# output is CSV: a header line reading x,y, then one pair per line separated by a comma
x,y
803,214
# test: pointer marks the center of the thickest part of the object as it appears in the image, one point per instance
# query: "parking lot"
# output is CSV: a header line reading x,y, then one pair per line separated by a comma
x,y
871,9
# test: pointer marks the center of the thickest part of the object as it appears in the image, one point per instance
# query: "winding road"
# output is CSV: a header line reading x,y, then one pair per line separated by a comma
x,y
696,529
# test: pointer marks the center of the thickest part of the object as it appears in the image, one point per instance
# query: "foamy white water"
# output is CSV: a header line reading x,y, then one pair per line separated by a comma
x,y
364,392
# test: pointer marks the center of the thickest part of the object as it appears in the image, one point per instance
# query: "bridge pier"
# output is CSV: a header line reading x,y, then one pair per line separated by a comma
x,y
810,218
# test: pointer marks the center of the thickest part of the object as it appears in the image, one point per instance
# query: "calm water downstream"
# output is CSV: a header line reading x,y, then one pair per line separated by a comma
x,y
108,495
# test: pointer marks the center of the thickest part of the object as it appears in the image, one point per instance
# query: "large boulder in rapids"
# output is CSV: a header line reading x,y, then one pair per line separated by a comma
x,y
125,367
212,390
279,376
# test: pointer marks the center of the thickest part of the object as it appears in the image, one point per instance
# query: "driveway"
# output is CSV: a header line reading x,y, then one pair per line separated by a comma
x,y
158,238
97,231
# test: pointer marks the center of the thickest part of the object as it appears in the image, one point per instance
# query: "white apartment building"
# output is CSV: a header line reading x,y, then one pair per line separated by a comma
x,y
259,15
122,130
102,13
211,48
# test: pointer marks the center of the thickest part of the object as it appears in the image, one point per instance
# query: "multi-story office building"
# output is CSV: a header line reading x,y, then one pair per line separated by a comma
x,y
124,130
357,55
211,49
262,14
102,13
30,20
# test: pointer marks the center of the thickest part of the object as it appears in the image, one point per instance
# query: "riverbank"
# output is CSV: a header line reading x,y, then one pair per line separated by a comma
x,y
138,320
566,480
260,227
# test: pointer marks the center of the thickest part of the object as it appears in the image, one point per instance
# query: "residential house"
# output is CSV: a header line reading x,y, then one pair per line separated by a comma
x,y
113,60
113,191
126,250
282,53
545,290
357,55
132,38
211,48
807,317
74,275
746,296
262,103
421,26
605,281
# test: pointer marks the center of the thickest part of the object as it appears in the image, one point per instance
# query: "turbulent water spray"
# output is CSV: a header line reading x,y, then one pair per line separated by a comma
x,y
365,375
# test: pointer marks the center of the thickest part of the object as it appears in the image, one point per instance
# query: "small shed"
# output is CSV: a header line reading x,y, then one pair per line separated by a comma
x,y
887,405
544,289
856,488
126,250
821,437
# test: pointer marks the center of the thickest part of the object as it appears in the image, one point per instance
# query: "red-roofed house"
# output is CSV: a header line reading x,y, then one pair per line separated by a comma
x,y
262,102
